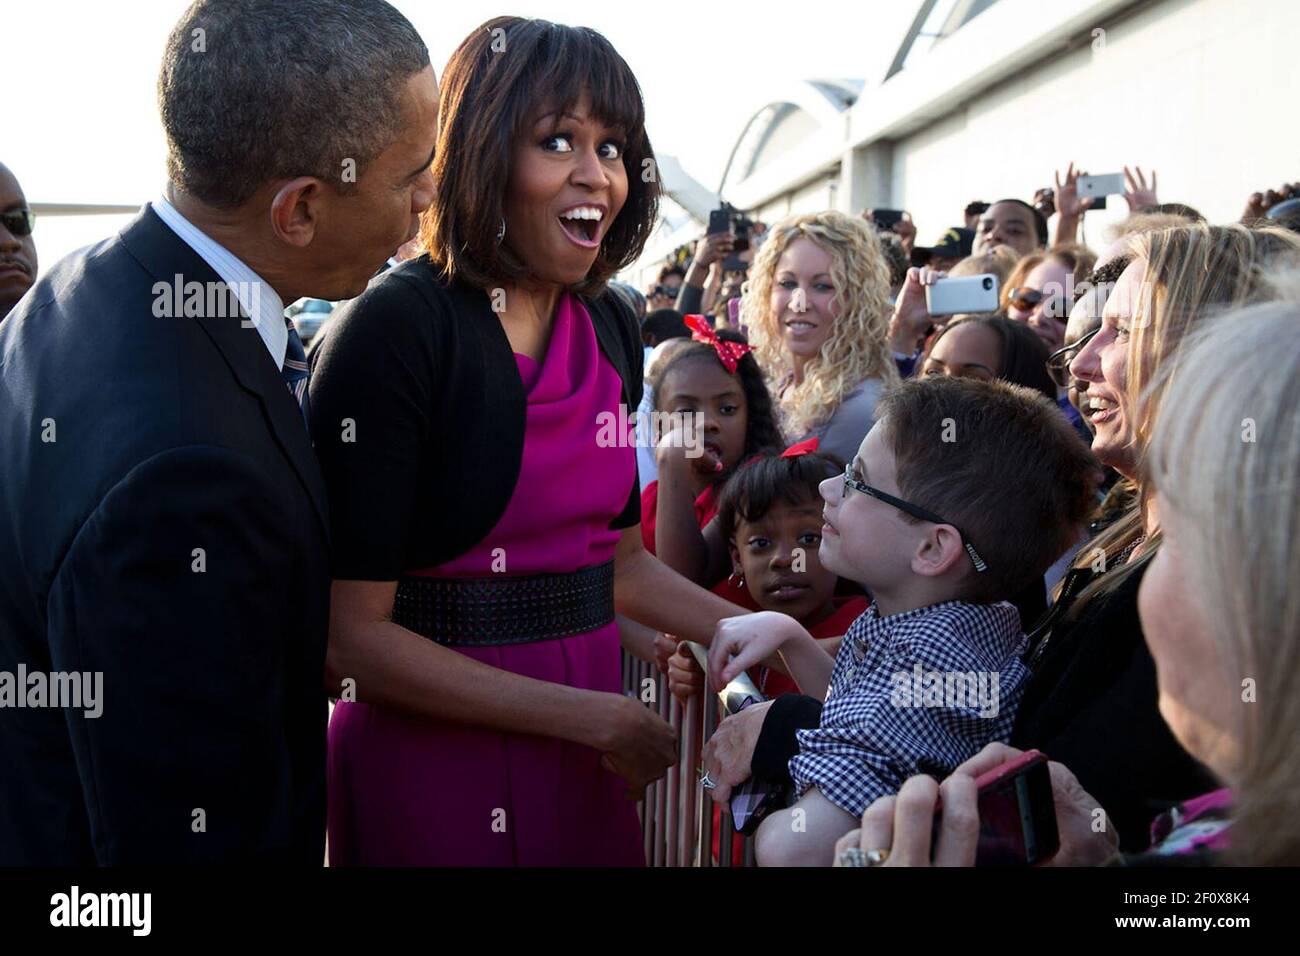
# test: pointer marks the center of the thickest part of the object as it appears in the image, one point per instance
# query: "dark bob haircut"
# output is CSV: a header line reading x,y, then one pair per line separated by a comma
x,y
762,483
502,76
1024,356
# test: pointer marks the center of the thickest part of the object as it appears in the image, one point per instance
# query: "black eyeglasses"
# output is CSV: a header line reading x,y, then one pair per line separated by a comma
x,y
19,222
916,511
1058,363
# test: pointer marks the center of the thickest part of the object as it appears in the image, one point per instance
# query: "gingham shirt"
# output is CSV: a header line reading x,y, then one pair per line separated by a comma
x,y
912,693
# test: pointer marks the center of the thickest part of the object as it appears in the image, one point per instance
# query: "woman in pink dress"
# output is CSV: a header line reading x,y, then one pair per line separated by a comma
x,y
470,415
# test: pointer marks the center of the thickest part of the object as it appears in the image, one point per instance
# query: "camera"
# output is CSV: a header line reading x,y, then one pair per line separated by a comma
x,y
726,218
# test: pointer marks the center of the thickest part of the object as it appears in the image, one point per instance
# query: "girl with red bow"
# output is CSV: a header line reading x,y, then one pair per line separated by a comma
x,y
712,411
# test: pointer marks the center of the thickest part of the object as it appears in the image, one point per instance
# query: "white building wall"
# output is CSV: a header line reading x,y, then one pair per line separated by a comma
x,y
1204,91
1201,90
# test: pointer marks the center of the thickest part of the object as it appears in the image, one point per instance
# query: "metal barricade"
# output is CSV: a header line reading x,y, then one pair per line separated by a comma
x,y
676,816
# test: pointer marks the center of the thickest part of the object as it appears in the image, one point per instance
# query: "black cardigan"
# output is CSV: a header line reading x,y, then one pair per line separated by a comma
x,y
418,414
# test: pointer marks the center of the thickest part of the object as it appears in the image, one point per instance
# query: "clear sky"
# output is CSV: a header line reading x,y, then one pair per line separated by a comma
x,y
81,124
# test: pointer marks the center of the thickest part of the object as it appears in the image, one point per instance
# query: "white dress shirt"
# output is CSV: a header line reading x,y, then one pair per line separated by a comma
x,y
258,299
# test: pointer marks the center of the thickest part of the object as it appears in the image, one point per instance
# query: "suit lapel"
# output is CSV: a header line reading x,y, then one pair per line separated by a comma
x,y
166,256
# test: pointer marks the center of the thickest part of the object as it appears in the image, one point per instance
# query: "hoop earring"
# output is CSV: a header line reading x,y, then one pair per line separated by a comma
x,y
501,233
737,579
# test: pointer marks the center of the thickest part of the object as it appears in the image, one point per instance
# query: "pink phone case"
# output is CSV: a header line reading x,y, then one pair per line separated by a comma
x,y
1009,769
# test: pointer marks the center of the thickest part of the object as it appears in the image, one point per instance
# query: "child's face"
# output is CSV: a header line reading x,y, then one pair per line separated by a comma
x,y
778,555
703,386
867,540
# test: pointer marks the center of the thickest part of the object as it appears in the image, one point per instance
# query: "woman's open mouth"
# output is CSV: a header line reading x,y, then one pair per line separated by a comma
x,y
582,225
1101,409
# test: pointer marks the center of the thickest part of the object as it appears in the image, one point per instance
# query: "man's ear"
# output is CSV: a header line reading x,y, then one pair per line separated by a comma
x,y
296,210
938,552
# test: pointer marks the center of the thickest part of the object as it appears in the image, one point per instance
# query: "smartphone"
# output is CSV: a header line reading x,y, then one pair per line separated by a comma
x,y
886,218
1017,813
719,221
1111,184
963,294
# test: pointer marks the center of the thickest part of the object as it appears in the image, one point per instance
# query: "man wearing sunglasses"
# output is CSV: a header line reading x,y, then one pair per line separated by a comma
x,y
17,247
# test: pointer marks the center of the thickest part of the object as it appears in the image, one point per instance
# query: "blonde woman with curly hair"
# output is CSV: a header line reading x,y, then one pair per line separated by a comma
x,y
817,310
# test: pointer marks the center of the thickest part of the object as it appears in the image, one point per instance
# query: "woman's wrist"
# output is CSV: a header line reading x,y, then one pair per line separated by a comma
x,y
900,340
588,718
1067,229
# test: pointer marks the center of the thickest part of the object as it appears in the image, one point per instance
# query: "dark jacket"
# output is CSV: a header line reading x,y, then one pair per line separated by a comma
x,y
436,440
1091,704
172,538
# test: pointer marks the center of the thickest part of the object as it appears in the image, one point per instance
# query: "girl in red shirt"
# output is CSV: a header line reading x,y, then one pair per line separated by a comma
x,y
715,412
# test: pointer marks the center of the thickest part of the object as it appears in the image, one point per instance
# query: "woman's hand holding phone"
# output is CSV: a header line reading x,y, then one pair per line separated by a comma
x,y
903,824
728,755
912,317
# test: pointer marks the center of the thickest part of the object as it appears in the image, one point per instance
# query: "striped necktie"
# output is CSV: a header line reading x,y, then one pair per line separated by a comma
x,y
295,370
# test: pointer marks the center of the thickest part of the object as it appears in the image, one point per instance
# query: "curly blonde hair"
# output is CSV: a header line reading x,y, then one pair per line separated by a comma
x,y
858,346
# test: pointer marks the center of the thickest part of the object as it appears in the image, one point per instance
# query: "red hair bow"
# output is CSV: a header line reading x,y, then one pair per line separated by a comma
x,y
729,353
801,448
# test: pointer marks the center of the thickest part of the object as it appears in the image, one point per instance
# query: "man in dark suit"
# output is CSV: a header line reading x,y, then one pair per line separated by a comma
x,y
162,517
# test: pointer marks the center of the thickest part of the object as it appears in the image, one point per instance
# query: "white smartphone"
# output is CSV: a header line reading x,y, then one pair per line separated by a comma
x,y
1111,184
962,294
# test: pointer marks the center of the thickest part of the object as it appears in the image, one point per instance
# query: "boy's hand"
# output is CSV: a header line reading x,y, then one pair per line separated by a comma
x,y
739,643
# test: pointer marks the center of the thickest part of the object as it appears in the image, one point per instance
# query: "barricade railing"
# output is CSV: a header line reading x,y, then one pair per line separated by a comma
x,y
677,817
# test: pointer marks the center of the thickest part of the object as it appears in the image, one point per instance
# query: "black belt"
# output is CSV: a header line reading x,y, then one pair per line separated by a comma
x,y
476,612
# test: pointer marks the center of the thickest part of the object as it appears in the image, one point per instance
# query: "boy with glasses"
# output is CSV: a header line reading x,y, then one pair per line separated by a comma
x,y
960,495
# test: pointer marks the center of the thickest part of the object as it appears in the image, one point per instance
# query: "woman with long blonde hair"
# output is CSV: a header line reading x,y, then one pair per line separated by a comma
x,y
1219,611
1088,703
817,310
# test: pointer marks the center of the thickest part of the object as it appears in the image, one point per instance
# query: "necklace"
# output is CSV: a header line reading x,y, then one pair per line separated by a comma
x,y
1124,555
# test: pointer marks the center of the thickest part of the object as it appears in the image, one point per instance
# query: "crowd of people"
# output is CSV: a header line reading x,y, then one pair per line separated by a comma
x,y
1080,498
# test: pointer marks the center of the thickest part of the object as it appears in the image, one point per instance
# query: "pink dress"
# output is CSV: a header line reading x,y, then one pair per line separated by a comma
x,y
406,791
